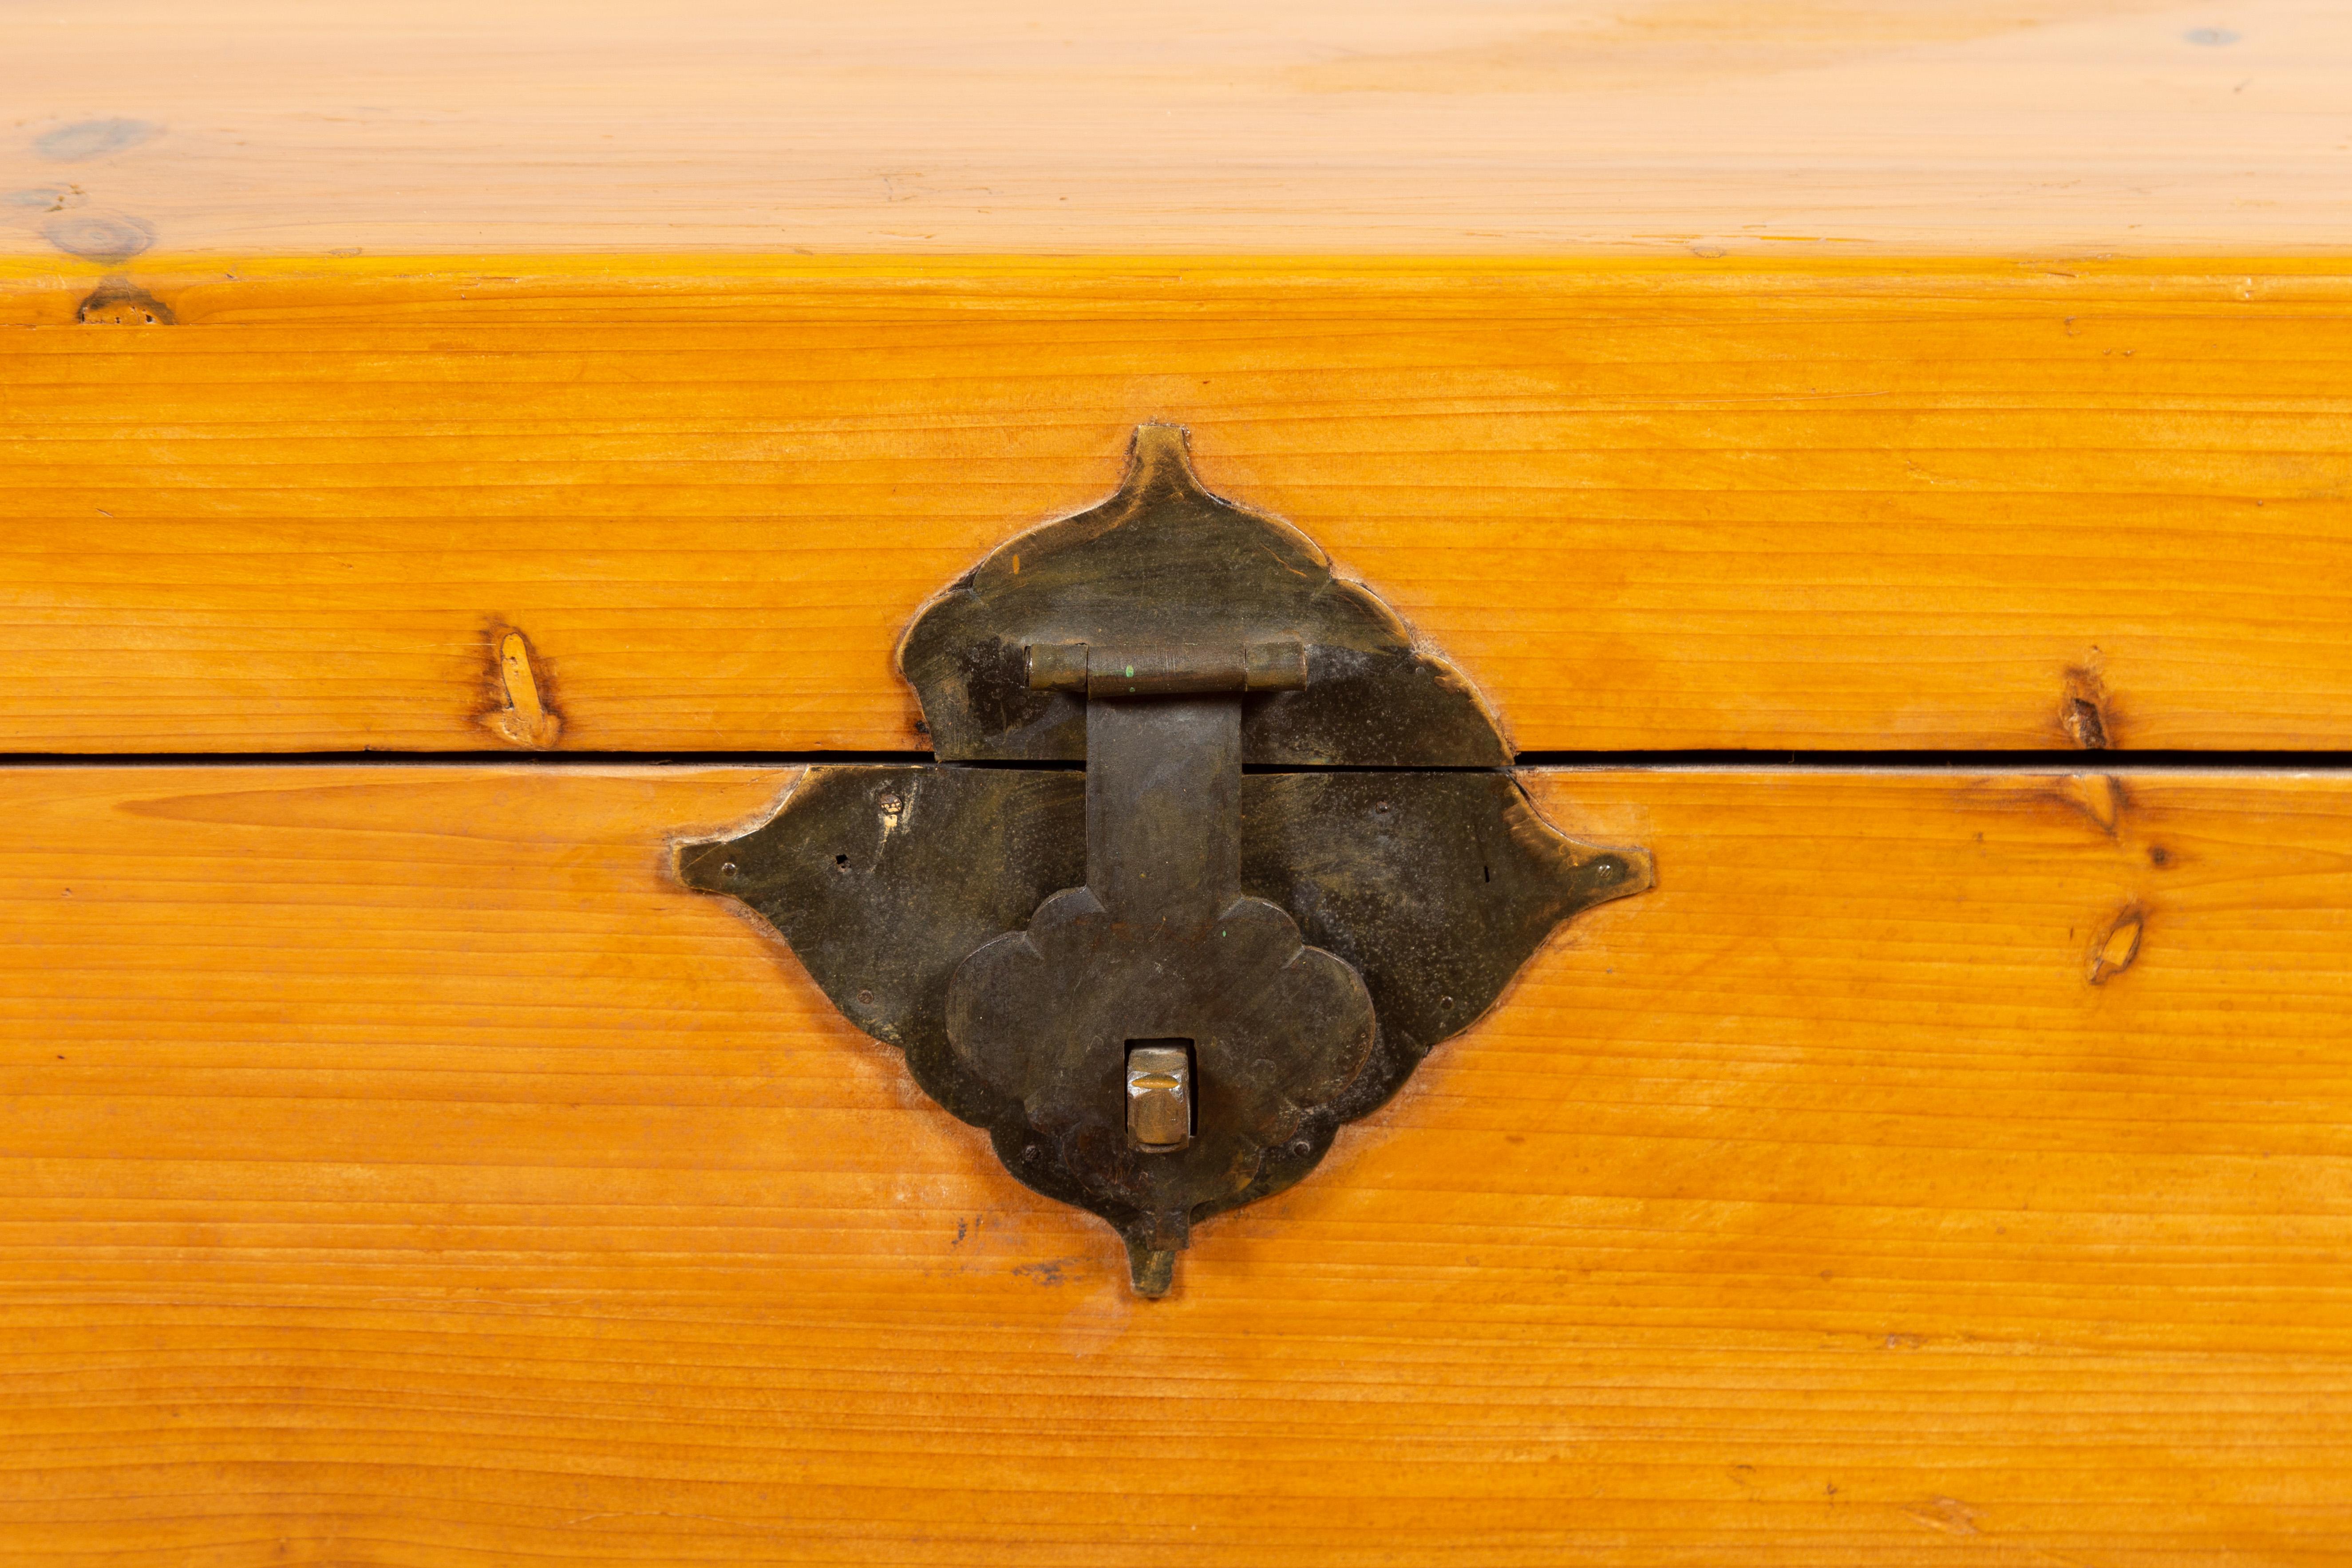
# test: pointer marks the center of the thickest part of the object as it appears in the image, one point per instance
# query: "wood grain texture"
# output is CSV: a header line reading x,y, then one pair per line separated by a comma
x,y
1709,505
396,1169
1054,126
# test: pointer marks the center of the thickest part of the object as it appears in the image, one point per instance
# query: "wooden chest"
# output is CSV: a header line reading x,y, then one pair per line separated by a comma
x,y
1888,460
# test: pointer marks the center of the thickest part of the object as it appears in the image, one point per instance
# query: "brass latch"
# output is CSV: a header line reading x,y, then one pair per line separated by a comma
x,y
1161,985
1160,1095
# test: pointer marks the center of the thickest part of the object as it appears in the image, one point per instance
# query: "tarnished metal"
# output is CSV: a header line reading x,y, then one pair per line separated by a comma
x,y
1163,985
1160,943
1165,564
1160,1095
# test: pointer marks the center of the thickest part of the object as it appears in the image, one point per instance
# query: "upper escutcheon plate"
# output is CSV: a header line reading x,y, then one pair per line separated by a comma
x,y
1165,563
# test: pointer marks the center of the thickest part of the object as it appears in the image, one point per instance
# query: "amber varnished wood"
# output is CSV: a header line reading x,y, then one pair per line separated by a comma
x,y
630,504
397,1168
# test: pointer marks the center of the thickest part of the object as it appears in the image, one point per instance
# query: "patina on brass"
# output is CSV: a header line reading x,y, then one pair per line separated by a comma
x,y
1163,984
1163,563
1159,942
1160,1095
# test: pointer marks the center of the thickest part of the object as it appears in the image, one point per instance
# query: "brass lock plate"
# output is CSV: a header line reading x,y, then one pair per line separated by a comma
x,y
1294,862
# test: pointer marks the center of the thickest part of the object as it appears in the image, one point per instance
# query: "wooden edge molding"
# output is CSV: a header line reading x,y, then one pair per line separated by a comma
x,y
51,289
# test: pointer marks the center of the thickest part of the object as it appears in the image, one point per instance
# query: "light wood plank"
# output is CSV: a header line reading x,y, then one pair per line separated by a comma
x,y
1866,505
1054,126
394,1168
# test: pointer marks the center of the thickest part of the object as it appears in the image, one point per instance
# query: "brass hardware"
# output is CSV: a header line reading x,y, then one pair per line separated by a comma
x,y
1164,984
1277,666
1160,940
1159,1094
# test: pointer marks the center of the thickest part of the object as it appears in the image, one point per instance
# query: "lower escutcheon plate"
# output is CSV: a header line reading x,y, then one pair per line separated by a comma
x,y
1435,886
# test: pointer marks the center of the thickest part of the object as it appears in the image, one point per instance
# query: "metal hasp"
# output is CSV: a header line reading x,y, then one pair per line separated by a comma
x,y
1162,985
1161,945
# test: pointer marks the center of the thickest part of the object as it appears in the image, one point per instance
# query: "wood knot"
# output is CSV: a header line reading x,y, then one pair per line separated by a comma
x,y
2099,796
117,303
2114,950
523,716
2082,711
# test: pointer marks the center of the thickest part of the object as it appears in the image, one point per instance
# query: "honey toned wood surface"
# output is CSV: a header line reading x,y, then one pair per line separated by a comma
x,y
396,1169
1053,126
1707,505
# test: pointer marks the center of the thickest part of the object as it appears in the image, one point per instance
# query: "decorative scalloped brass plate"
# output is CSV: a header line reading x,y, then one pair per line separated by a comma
x,y
1425,871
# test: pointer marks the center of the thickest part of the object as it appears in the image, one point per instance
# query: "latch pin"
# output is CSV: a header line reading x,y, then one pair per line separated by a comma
x,y
1159,1094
